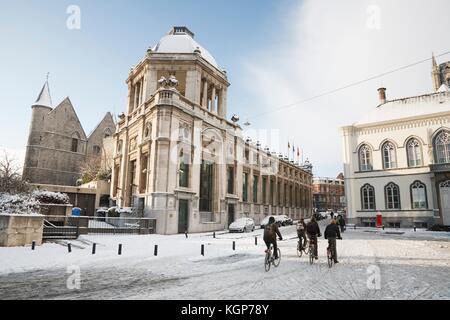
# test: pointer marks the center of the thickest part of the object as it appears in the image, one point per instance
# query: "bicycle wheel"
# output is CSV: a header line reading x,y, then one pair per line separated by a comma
x,y
276,262
267,262
329,257
299,250
306,247
311,254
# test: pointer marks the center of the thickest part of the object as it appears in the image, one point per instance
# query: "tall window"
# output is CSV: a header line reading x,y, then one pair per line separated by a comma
x,y
230,179
418,195
272,192
184,170
255,189
206,186
392,194
75,139
143,179
414,153
368,197
264,190
365,158
107,133
245,187
96,150
442,147
279,193
389,157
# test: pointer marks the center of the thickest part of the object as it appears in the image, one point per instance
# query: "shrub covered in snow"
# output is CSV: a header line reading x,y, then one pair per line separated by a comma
x,y
48,197
438,227
18,204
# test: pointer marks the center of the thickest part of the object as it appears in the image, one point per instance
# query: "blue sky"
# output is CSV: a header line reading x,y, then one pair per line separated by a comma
x,y
275,53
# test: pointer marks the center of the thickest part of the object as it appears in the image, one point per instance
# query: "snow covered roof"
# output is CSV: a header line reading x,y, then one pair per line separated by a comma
x,y
408,108
44,98
443,88
181,40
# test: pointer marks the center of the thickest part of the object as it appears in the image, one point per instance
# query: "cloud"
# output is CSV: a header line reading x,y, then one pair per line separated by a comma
x,y
327,44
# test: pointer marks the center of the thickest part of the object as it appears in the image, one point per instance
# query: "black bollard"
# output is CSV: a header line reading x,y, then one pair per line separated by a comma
x,y
354,227
33,245
94,245
155,253
69,247
256,241
185,233
120,249
383,227
202,250
414,229
234,245
214,235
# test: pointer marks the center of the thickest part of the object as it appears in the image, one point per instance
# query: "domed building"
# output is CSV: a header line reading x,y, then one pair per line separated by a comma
x,y
178,158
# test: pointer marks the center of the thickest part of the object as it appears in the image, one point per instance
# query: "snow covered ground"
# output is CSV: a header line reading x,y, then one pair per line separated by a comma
x,y
412,265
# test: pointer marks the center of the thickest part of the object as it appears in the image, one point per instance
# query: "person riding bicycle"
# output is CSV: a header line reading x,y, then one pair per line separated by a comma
x,y
270,236
301,233
332,233
313,231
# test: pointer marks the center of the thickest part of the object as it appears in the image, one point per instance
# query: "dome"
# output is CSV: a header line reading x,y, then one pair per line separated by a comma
x,y
181,40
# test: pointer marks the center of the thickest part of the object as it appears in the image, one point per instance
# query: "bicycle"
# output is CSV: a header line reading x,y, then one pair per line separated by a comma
x,y
269,260
305,248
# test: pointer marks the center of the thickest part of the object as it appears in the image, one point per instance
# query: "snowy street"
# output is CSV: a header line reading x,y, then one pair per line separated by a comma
x,y
412,266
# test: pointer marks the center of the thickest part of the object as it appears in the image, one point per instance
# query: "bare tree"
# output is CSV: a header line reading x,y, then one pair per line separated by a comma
x,y
10,178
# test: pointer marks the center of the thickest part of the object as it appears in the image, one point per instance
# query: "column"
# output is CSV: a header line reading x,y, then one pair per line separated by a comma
x,y
205,94
213,99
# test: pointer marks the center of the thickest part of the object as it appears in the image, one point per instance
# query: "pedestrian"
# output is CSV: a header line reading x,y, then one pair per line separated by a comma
x,y
332,214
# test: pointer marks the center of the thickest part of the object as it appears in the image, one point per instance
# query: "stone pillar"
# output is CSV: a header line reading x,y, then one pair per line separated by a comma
x,y
205,94
151,83
213,99
223,103
193,86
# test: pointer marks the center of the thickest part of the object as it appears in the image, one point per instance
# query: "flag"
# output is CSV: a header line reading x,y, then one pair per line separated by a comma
x,y
289,145
298,152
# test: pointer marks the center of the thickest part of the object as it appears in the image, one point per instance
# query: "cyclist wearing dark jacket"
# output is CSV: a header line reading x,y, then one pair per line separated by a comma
x,y
270,236
313,231
332,233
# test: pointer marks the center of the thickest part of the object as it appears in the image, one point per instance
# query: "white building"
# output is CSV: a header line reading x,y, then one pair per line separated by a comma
x,y
397,161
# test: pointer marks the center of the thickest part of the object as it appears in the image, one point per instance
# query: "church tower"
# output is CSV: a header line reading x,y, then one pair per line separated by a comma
x,y
40,110
440,75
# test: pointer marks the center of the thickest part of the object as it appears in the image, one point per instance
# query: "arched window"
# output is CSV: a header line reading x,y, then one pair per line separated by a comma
x,y
389,156
418,195
392,195
365,158
367,197
184,170
414,153
107,133
442,147
96,150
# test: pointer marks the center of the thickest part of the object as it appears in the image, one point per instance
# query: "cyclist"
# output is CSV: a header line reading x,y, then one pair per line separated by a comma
x,y
331,233
301,232
313,231
270,236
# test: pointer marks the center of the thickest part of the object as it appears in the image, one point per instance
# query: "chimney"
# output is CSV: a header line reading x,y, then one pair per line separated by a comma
x,y
382,95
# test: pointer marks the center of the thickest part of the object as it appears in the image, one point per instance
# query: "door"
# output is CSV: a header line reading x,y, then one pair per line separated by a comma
x,y
183,215
444,188
230,213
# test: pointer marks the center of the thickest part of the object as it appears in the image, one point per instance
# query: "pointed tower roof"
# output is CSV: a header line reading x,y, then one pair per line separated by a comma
x,y
44,99
443,88
433,59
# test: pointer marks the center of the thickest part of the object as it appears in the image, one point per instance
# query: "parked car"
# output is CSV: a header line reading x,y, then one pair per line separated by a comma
x,y
284,220
242,225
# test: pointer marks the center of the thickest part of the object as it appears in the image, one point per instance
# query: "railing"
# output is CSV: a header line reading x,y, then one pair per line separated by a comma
x,y
61,227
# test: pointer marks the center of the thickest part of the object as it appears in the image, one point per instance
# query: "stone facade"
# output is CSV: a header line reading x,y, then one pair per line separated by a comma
x,y
179,159
57,145
20,230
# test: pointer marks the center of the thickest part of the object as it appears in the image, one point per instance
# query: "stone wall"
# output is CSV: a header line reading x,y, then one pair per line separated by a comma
x,y
20,230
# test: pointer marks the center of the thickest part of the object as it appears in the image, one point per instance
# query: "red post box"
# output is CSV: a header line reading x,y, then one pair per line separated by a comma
x,y
379,220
